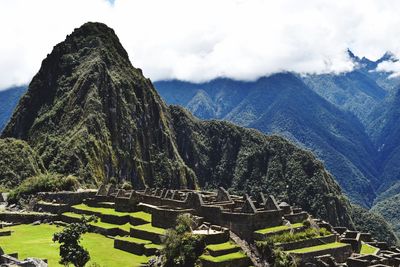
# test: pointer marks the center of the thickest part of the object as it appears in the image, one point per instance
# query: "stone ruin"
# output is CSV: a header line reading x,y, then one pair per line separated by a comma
x,y
219,216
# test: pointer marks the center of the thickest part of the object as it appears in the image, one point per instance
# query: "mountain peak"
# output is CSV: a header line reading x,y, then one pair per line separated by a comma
x,y
91,113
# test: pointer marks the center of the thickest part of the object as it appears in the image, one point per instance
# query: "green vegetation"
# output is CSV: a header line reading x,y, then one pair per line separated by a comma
x,y
69,239
221,153
374,223
18,161
43,183
389,210
133,239
223,258
36,241
221,246
368,249
181,247
318,248
126,227
279,228
108,211
282,104
67,119
149,228
284,259
287,237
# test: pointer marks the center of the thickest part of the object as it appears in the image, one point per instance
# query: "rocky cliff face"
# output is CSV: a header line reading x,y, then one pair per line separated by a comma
x,y
90,113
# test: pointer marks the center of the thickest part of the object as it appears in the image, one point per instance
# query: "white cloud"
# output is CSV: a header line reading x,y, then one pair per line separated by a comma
x,y
201,40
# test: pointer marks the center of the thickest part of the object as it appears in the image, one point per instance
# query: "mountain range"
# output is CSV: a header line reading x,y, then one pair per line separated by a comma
x,y
88,112
349,120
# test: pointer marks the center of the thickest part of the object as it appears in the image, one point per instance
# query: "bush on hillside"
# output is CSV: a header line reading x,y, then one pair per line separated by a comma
x,y
43,183
182,248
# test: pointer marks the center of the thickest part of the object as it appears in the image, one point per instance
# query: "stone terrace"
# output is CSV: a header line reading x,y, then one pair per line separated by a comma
x,y
231,225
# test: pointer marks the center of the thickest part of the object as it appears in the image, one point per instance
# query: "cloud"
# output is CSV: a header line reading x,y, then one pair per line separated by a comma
x,y
201,40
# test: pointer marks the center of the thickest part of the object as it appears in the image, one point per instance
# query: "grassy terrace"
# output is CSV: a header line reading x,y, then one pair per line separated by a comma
x,y
278,228
222,246
318,248
222,258
36,241
101,224
149,228
107,211
368,249
134,240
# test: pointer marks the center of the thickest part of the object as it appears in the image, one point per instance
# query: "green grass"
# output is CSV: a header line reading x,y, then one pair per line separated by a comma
x,y
368,249
222,246
152,245
50,203
36,241
318,248
73,215
134,240
126,227
222,258
108,211
149,228
278,228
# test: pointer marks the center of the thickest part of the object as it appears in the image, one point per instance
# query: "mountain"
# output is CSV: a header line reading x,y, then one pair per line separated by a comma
x,y
385,122
283,104
90,113
385,132
9,99
18,161
357,91
389,209
371,221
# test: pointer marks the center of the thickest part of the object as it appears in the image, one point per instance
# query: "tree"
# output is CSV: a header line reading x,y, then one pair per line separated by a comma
x,y
181,247
71,252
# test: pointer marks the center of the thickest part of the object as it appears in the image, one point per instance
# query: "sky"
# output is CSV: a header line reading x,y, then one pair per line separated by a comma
x,y
201,40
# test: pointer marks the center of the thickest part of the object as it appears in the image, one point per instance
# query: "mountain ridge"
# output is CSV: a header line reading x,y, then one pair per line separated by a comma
x,y
90,113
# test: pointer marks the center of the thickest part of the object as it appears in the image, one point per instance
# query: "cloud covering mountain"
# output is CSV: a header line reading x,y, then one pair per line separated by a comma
x,y
202,40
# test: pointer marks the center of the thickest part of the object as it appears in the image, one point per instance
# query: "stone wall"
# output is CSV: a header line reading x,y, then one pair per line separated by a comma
x,y
308,242
166,217
51,207
341,254
66,197
26,218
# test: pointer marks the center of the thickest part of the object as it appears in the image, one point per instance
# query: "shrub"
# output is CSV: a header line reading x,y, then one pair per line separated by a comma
x,y
292,237
69,238
181,247
283,259
126,185
268,247
43,183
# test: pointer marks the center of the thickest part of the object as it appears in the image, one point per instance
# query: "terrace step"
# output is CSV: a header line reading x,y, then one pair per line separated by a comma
x,y
136,246
237,259
104,204
104,228
112,216
131,244
261,234
148,232
340,251
221,249
50,207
